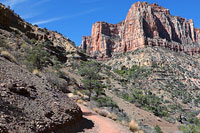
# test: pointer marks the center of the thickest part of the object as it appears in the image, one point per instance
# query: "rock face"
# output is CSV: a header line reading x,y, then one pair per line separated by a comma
x,y
10,21
145,25
30,104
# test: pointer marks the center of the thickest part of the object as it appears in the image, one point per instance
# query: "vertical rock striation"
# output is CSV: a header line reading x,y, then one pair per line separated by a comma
x,y
145,25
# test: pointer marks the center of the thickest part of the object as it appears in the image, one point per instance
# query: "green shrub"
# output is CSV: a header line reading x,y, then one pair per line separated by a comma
x,y
190,129
135,72
105,102
147,101
4,45
57,82
37,57
192,117
157,129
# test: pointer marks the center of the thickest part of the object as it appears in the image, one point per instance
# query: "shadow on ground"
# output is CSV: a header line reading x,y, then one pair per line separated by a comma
x,y
83,124
79,127
88,113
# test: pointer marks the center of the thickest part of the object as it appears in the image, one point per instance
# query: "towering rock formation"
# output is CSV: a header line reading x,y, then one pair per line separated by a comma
x,y
145,24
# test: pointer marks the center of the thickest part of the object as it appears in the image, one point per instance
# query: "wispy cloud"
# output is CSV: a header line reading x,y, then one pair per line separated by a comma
x,y
26,13
30,15
12,3
47,21
40,2
64,17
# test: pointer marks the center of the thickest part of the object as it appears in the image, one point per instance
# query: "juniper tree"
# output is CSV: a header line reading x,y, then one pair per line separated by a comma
x,y
38,57
91,78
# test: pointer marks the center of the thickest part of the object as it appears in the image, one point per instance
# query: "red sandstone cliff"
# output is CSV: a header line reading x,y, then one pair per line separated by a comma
x,y
145,24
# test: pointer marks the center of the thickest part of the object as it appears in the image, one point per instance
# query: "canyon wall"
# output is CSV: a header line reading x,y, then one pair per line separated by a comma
x,y
145,25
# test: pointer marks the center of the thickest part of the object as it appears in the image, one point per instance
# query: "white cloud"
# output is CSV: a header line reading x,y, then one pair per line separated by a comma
x,y
40,2
47,21
64,17
12,3
24,14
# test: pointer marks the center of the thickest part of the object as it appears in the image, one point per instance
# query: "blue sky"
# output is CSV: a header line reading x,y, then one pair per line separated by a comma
x,y
74,18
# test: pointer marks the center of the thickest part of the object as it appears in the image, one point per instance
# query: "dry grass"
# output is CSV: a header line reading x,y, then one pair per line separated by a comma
x,y
140,131
114,117
8,56
95,110
133,126
80,94
104,113
124,123
80,101
37,73
109,116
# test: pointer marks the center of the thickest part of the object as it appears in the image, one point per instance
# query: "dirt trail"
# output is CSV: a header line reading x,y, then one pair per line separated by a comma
x,y
102,124
147,118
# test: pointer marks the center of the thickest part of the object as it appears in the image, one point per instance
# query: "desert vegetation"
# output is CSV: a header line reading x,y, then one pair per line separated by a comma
x,y
91,78
148,101
160,83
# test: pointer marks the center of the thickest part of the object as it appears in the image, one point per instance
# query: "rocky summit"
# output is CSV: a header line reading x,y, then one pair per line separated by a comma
x,y
145,25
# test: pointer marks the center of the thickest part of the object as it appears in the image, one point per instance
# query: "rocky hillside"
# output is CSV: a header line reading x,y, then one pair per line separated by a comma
x,y
145,25
11,22
32,88
171,74
21,38
30,104
169,80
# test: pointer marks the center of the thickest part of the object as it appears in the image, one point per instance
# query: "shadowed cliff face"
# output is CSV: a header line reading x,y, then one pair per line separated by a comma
x,y
145,24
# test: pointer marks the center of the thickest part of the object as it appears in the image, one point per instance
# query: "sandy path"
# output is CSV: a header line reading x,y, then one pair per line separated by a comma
x,y
102,124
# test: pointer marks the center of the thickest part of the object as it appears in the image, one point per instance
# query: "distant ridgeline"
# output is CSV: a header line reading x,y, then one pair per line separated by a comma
x,y
13,22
